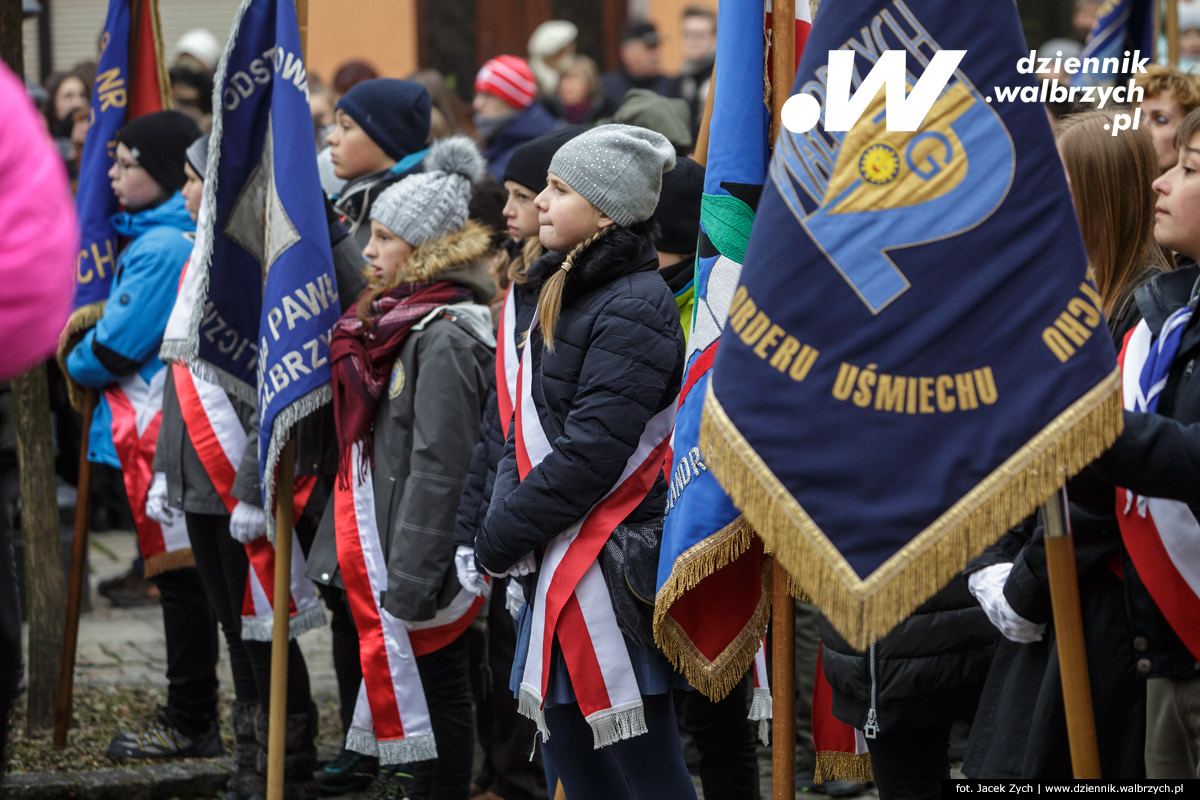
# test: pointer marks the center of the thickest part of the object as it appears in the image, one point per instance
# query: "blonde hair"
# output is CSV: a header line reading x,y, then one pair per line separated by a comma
x,y
550,298
1111,180
518,267
1159,79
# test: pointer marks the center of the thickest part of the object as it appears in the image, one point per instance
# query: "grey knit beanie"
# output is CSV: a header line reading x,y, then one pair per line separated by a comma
x,y
617,168
433,203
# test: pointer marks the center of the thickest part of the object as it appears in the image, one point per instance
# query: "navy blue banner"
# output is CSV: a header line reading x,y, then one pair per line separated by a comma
x,y
262,322
95,202
915,356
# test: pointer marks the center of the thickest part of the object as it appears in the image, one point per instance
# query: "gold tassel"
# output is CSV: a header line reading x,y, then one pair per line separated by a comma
x,y
81,321
715,678
864,610
165,562
837,766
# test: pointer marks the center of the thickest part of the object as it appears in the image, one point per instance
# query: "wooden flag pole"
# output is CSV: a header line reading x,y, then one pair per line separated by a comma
x,y
83,515
783,614
285,487
700,153
1068,632
1173,33
284,501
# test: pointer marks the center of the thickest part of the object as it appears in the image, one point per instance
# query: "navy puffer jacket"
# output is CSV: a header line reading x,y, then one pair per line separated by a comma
x,y
477,491
617,361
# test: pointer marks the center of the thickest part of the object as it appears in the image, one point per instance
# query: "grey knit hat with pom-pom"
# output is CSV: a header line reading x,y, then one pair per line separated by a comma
x,y
433,203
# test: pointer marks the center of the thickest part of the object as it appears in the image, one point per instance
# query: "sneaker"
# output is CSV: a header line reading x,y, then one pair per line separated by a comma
x,y
349,772
162,740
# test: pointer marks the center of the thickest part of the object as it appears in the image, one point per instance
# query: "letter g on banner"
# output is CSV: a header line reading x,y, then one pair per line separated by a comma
x,y
893,186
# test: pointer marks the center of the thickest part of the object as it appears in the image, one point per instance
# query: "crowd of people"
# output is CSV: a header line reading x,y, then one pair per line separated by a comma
x,y
533,261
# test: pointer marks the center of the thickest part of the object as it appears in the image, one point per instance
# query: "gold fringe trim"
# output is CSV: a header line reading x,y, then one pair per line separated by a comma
x,y
81,321
836,766
165,562
715,678
797,591
864,610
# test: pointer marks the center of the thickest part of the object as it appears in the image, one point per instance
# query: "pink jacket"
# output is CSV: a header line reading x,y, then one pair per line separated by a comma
x,y
39,236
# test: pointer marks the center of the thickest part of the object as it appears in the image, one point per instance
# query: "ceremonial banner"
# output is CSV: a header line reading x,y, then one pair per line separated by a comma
x,y
1121,25
841,749
261,281
130,81
915,357
712,605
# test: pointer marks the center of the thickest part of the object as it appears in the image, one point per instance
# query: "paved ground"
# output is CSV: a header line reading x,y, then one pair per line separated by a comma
x,y
125,646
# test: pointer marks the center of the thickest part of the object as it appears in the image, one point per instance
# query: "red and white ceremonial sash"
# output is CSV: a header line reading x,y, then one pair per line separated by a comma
x,y
760,706
841,749
391,719
136,408
571,602
506,360
1161,536
217,436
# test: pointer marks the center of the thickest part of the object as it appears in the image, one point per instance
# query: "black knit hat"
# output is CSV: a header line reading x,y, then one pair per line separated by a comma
x,y
159,142
530,162
678,212
393,112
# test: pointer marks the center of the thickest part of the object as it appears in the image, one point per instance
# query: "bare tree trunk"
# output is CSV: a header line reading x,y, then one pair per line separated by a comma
x,y
45,588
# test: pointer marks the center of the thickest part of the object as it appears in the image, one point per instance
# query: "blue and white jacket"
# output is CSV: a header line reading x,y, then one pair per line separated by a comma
x,y
126,339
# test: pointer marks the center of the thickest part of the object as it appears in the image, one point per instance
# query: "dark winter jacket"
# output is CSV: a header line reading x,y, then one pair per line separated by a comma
x,y
524,126
1020,729
1158,455
928,671
617,361
424,434
616,83
477,491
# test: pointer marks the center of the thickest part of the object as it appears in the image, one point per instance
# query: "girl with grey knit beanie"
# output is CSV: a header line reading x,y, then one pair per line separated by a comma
x,y
412,365
577,509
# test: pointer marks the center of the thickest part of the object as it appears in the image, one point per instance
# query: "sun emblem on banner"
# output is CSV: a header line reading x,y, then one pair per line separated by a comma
x,y
879,164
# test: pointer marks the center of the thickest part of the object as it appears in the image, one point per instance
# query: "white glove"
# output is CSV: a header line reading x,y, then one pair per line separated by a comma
x,y
514,598
523,566
247,522
988,587
156,501
468,573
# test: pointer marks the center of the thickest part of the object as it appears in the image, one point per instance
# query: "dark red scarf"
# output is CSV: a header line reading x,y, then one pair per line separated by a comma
x,y
362,357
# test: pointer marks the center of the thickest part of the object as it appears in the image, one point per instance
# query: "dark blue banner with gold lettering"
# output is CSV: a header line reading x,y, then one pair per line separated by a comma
x,y
95,202
266,302
914,358
130,81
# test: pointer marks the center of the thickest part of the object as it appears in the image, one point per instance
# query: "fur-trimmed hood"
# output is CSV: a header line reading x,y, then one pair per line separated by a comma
x,y
456,257
621,251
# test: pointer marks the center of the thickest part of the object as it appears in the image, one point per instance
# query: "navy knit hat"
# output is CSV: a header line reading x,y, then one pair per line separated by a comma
x,y
159,141
678,212
393,112
530,162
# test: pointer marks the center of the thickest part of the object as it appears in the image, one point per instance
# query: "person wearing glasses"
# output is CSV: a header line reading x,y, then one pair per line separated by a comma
x,y
119,357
